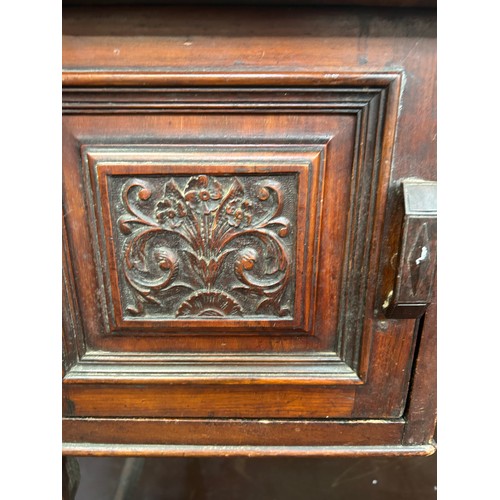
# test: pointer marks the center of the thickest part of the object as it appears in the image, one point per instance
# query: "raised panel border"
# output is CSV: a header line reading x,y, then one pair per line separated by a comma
x,y
306,161
372,97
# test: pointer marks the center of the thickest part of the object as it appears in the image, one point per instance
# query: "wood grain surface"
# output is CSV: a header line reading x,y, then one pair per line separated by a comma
x,y
183,129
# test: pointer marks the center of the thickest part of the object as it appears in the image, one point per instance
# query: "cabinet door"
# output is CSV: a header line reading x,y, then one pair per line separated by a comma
x,y
223,250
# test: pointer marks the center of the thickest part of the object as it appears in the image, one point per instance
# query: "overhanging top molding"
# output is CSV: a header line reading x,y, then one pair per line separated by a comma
x,y
158,79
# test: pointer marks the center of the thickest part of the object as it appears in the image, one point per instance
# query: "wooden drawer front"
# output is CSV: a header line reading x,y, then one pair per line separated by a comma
x,y
222,250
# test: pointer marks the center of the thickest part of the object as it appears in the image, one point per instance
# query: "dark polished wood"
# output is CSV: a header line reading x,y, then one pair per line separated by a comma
x,y
413,264
230,186
421,411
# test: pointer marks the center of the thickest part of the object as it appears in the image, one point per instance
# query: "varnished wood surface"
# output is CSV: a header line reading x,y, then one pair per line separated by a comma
x,y
421,413
355,260
413,275
232,432
342,40
83,449
142,77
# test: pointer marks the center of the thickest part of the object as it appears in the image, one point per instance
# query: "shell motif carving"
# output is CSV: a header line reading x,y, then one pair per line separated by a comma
x,y
206,246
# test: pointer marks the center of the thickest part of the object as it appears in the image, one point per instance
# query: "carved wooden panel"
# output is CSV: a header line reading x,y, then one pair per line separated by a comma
x,y
205,246
196,233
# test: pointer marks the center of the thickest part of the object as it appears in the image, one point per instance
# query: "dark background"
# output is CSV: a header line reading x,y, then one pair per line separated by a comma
x,y
378,478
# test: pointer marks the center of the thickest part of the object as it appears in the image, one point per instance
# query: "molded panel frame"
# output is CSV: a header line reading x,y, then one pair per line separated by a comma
x,y
373,98
231,160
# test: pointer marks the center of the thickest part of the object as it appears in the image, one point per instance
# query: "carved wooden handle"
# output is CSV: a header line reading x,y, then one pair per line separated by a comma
x,y
414,266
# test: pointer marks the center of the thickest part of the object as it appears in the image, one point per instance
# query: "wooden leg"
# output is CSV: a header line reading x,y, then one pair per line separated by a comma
x,y
129,478
70,477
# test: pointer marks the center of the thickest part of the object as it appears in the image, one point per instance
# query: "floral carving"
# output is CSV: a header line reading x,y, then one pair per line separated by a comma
x,y
197,247
239,212
204,192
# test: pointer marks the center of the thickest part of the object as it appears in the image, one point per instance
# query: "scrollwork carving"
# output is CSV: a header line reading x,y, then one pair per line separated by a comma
x,y
205,246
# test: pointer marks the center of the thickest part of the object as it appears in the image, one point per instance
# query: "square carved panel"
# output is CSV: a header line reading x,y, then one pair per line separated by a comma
x,y
205,237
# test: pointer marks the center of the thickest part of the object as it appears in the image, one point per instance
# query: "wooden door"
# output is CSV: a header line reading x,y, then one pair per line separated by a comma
x,y
223,245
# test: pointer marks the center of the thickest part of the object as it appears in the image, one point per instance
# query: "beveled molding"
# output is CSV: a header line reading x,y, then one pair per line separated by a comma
x,y
137,91
164,450
151,212
236,437
372,97
150,79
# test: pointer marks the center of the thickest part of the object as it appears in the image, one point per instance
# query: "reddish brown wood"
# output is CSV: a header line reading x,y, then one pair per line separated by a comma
x,y
71,318
227,432
413,264
247,21
344,101
421,412
195,400
206,273
352,136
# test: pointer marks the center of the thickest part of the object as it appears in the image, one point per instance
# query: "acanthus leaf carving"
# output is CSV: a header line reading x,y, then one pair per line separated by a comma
x,y
201,246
